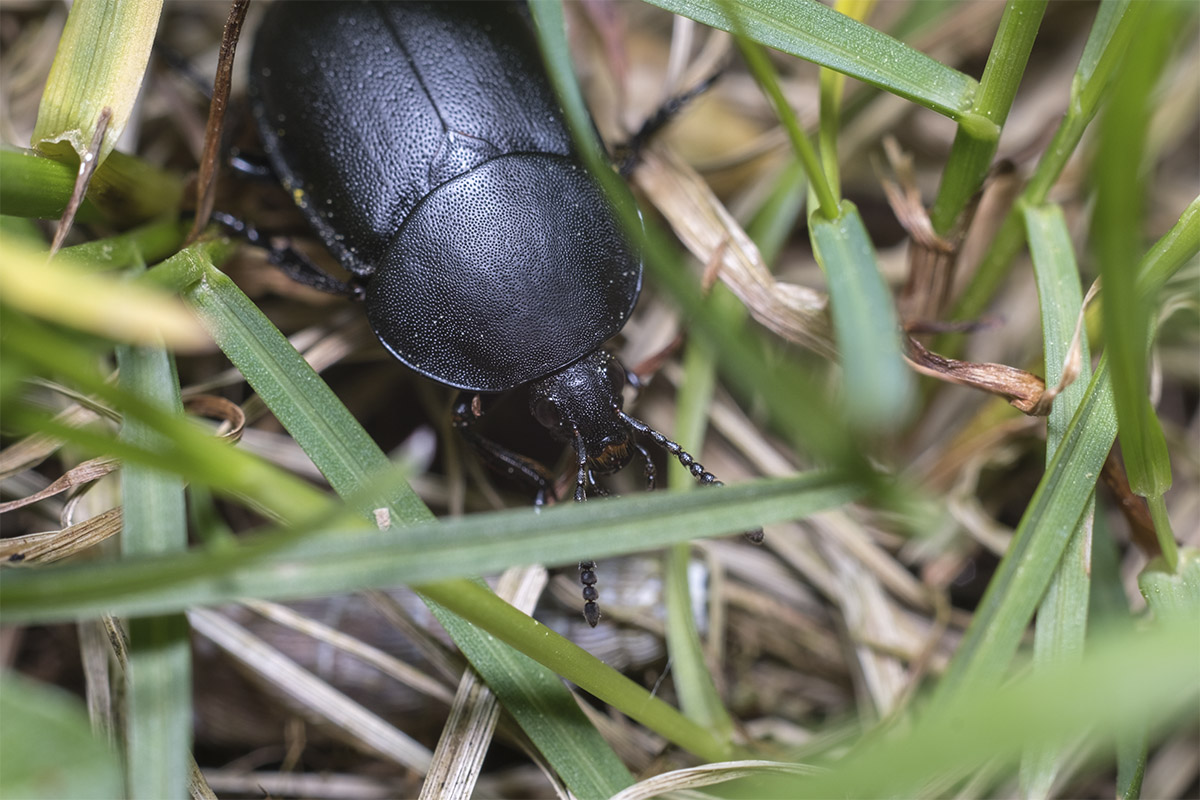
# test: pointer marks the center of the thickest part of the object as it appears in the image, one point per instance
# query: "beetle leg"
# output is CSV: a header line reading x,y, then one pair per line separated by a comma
x,y
501,459
295,264
685,458
595,486
649,466
250,165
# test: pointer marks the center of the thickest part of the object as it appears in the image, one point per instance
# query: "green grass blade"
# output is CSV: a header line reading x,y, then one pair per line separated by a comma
x,y
1063,614
819,34
1116,23
304,404
47,747
1109,612
979,133
1125,681
879,390
832,85
36,186
123,188
283,565
577,665
141,246
352,462
536,697
1061,498
158,726
764,75
1116,232
1176,247
698,695
100,61
774,222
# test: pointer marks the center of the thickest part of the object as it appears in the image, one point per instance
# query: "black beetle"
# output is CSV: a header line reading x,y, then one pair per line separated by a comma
x,y
424,144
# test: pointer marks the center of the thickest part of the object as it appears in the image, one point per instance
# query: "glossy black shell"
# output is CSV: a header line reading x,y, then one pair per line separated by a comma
x,y
426,147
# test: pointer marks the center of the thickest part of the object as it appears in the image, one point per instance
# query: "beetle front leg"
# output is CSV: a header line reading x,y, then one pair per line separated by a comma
x,y
468,410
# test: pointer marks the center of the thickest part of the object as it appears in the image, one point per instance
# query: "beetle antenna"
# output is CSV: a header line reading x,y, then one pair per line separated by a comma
x,y
587,576
685,458
666,112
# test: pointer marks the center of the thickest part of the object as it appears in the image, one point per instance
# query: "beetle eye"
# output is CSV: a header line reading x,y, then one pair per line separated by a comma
x,y
546,412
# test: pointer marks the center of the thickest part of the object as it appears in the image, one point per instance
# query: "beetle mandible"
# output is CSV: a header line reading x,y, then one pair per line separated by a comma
x,y
424,144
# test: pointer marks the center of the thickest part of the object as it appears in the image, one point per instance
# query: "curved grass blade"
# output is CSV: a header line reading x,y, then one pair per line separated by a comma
x,y
879,390
817,33
1061,498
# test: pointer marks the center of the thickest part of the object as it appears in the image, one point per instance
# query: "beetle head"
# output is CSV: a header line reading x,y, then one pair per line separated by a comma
x,y
581,405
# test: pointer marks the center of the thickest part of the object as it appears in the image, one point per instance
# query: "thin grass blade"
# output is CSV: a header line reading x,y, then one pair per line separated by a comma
x,y
158,725
1063,614
1116,232
1116,23
1061,498
979,132
283,565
